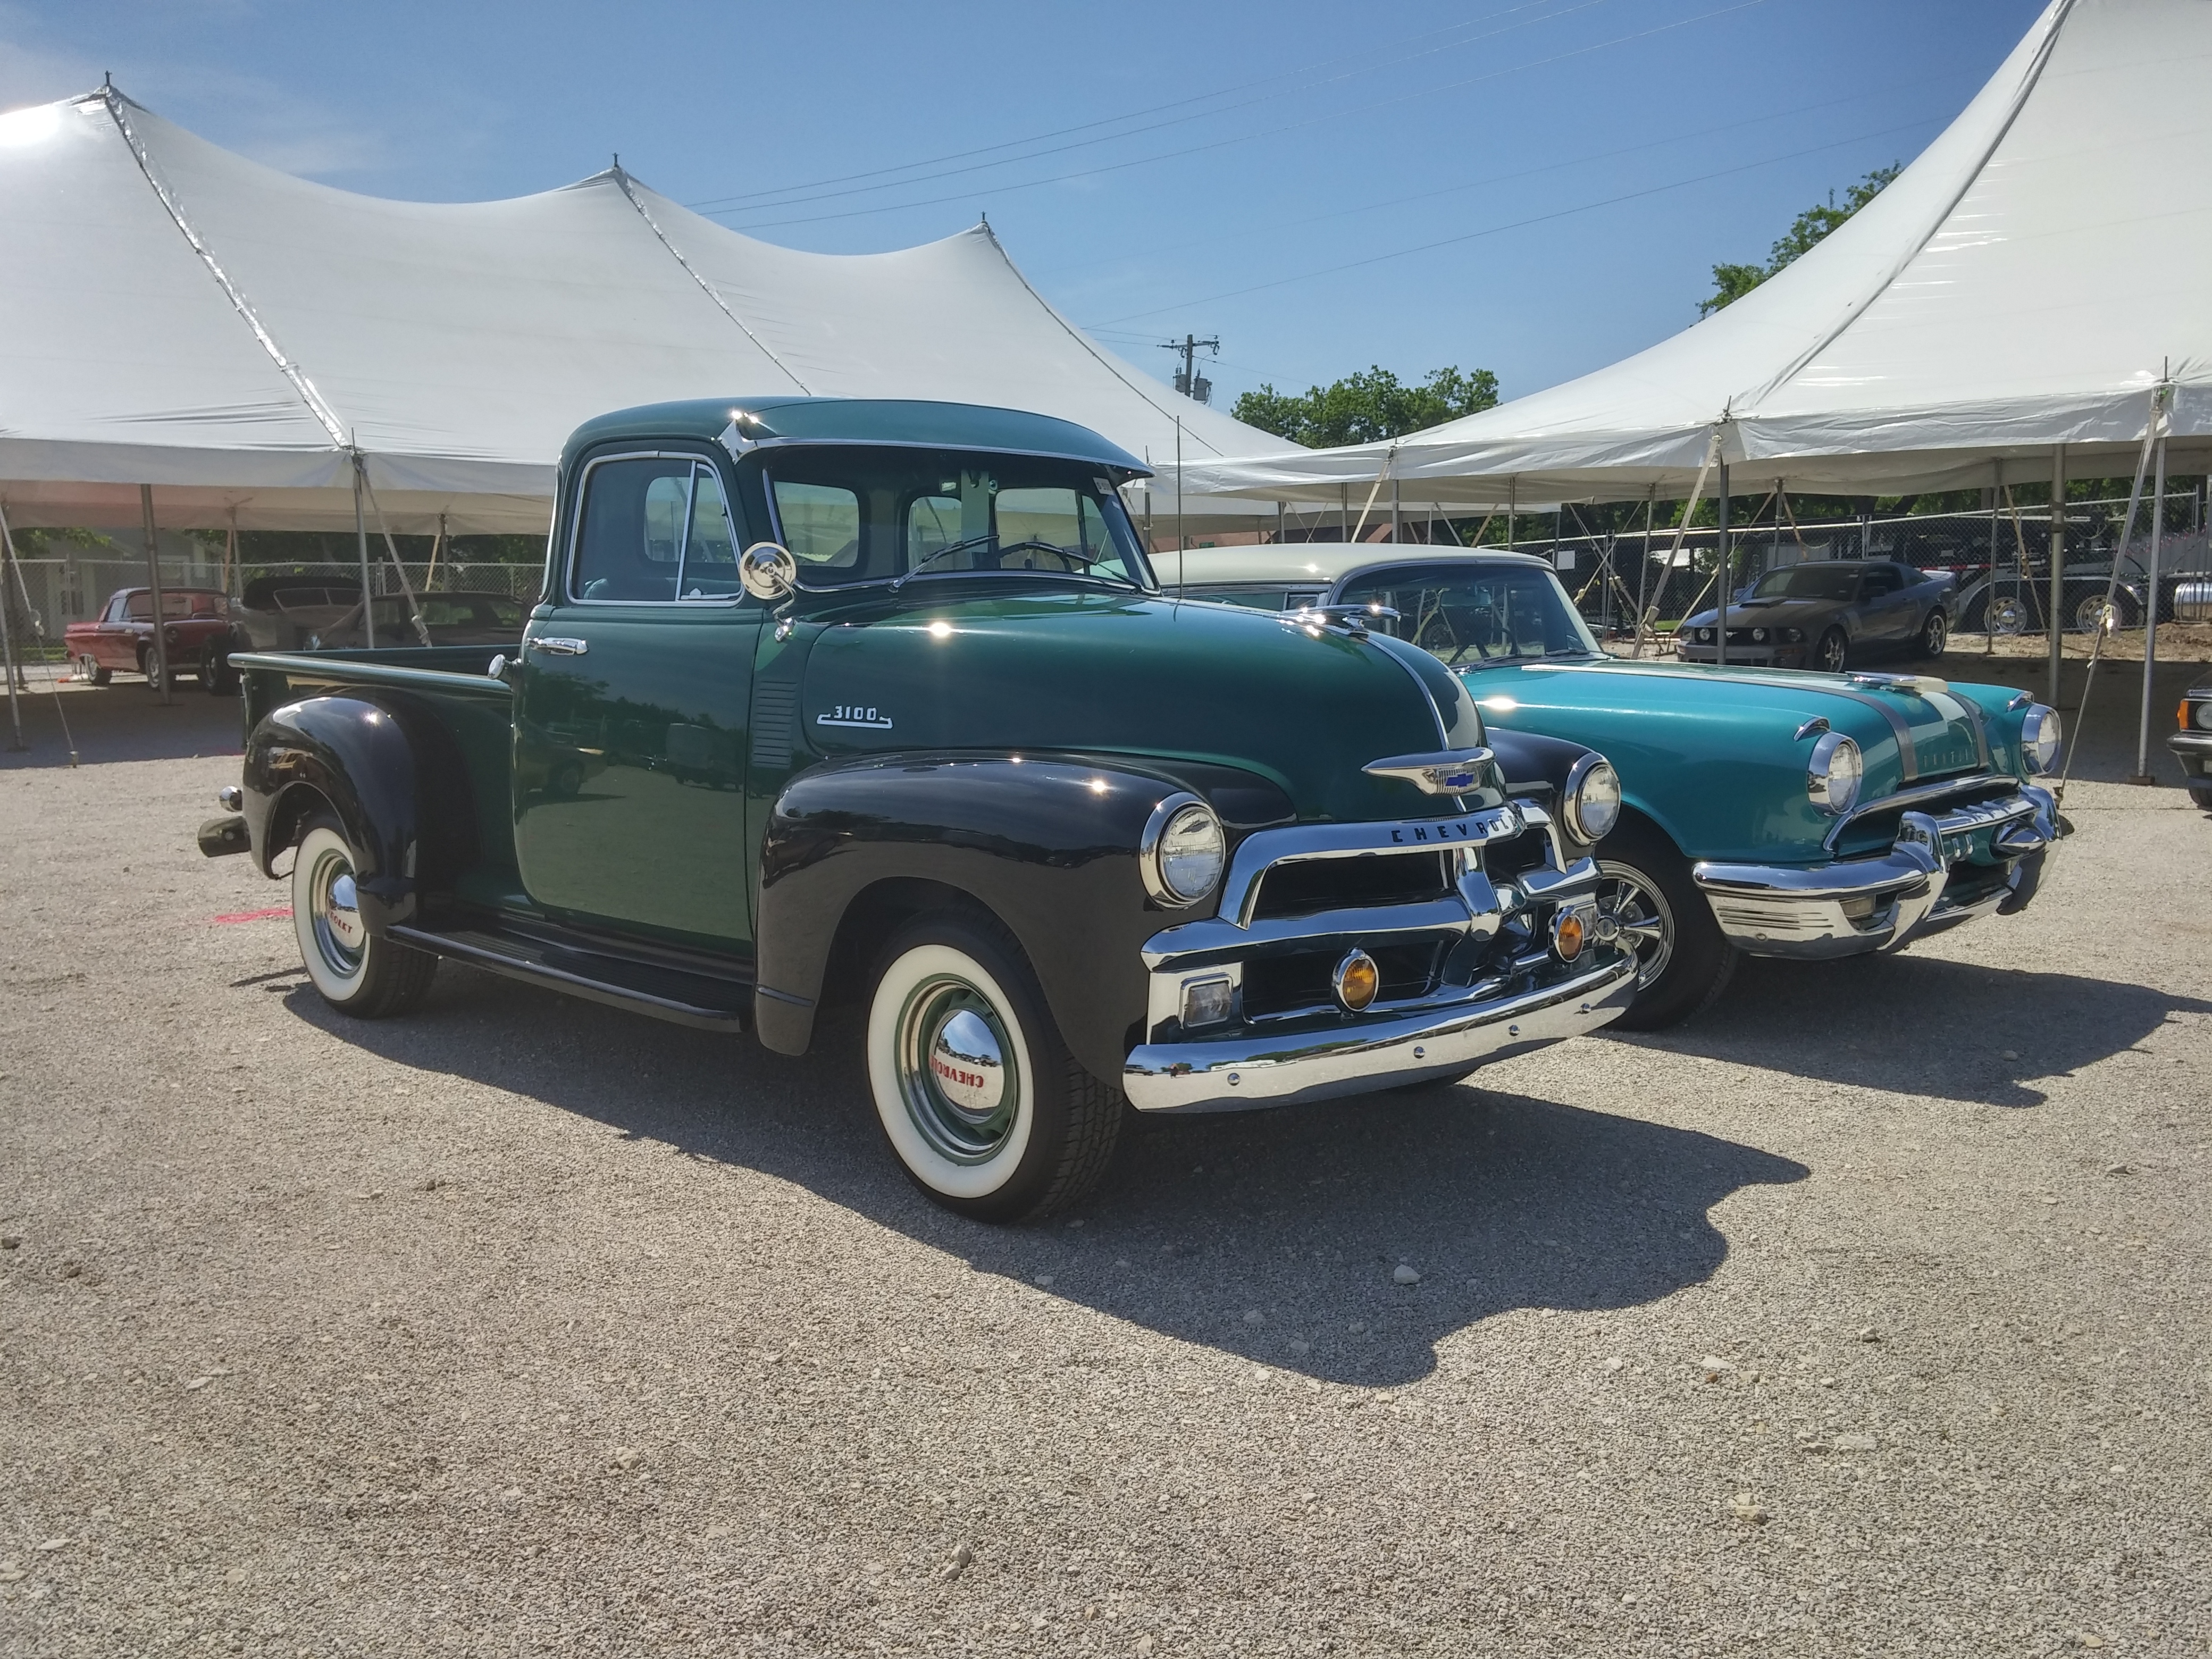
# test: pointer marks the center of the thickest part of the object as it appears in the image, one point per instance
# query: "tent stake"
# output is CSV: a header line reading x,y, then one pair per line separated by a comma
x,y
153,581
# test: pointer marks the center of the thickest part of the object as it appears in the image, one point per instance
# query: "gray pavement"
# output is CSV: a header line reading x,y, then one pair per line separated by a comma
x,y
1867,1315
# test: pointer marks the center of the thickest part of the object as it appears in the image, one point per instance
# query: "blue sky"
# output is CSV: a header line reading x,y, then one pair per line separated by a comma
x,y
1568,170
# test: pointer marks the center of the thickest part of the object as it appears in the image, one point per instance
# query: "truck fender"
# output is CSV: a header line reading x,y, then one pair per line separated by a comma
x,y
1535,767
390,771
1047,844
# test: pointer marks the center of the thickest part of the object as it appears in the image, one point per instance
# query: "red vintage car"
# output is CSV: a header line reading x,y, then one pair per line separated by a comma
x,y
196,622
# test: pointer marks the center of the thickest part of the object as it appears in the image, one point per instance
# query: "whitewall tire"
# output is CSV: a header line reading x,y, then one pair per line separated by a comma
x,y
355,971
974,1089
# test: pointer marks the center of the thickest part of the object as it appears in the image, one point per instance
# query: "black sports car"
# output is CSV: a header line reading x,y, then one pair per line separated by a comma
x,y
1828,613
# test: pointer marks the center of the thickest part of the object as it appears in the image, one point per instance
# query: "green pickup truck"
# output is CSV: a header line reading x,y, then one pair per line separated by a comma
x,y
880,702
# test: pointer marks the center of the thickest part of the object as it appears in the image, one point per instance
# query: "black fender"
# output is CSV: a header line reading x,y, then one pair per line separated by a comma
x,y
1534,766
1048,844
392,774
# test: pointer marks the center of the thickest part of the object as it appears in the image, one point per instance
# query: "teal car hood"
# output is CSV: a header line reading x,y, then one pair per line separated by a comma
x,y
1125,674
1712,754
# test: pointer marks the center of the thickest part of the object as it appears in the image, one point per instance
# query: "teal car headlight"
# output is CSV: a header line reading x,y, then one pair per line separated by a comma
x,y
1833,775
1592,800
1184,850
2040,736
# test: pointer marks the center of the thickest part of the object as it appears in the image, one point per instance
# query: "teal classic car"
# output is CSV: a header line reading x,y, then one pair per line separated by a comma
x,y
1765,812
879,702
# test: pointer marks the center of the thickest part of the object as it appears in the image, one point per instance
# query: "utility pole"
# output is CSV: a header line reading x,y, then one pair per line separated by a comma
x,y
1188,381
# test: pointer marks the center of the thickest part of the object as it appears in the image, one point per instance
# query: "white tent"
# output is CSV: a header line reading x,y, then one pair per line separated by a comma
x,y
2027,282
175,315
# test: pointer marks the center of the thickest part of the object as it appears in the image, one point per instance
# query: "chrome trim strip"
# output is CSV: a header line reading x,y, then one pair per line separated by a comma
x,y
1239,889
1210,942
1345,1057
1920,795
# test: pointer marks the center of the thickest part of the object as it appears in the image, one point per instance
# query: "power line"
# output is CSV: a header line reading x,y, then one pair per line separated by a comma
x,y
1518,224
1334,117
722,203
1638,149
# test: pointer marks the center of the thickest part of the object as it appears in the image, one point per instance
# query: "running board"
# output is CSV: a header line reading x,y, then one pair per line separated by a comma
x,y
711,1002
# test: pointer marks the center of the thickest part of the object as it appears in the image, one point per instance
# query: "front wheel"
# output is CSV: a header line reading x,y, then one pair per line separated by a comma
x,y
355,971
1646,896
217,677
989,1113
1935,633
1833,651
2200,795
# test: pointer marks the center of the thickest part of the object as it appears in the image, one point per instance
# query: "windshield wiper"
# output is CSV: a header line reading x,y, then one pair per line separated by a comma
x,y
992,536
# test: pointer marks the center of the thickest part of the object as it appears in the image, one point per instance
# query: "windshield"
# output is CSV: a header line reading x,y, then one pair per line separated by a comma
x,y
860,514
1477,613
1809,581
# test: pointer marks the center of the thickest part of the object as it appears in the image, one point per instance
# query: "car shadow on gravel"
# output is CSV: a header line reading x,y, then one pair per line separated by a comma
x,y
1274,1235
1921,1025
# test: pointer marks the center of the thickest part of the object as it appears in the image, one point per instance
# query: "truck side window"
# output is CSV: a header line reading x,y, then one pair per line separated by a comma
x,y
654,528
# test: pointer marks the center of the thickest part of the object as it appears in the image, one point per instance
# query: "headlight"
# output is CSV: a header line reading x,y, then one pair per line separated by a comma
x,y
1794,636
1759,636
2039,737
1705,636
1593,799
1184,850
2203,708
1831,777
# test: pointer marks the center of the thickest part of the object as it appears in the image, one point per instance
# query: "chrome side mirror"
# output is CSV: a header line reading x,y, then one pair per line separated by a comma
x,y
767,571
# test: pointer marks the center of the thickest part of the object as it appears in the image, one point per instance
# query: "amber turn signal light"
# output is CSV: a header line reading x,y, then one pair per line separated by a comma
x,y
1567,935
1356,981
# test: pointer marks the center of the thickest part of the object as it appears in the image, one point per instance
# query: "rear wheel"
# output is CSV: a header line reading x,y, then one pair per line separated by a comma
x,y
217,677
2201,795
355,971
1833,651
1683,960
1935,633
988,1112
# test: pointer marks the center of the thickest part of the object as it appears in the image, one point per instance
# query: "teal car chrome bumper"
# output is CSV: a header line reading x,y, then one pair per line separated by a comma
x,y
1943,869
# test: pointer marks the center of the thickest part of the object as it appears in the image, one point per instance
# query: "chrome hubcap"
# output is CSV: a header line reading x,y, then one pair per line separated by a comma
x,y
956,1069
334,907
1630,907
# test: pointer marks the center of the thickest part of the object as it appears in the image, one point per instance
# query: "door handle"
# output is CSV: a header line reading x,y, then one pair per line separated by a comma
x,y
560,647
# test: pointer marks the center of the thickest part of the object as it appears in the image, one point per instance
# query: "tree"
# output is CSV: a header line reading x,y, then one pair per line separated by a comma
x,y
1366,408
1732,282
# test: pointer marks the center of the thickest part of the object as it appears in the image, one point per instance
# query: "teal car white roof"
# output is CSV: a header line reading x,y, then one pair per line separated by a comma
x,y
1315,564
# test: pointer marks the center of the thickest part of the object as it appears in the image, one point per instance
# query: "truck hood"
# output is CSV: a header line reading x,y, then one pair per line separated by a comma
x,y
1713,755
1128,675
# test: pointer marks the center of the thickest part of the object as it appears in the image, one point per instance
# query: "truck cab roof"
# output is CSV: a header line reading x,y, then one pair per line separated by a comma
x,y
742,423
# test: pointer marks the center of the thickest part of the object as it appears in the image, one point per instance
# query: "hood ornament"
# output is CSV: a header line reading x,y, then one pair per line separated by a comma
x,y
1349,620
1448,772
1918,685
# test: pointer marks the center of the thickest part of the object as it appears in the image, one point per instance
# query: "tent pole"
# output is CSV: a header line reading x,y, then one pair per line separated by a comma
x,y
1644,565
2150,615
1344,512
1721,502
230,551
1996,488
1395,520
360,534
154,581
430,576
8,666
2057,561
1512,508
1179,531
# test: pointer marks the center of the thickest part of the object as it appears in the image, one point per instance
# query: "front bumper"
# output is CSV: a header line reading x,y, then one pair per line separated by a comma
x,y
1355,1056
2194,750
1943,869
1501,988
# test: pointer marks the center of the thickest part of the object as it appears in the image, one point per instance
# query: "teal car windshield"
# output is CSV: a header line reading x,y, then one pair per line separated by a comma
x,y
856,513
1809,581
1486,613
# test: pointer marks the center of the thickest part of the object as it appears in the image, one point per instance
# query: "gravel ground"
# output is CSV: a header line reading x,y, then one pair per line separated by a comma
x,y
1869,1314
